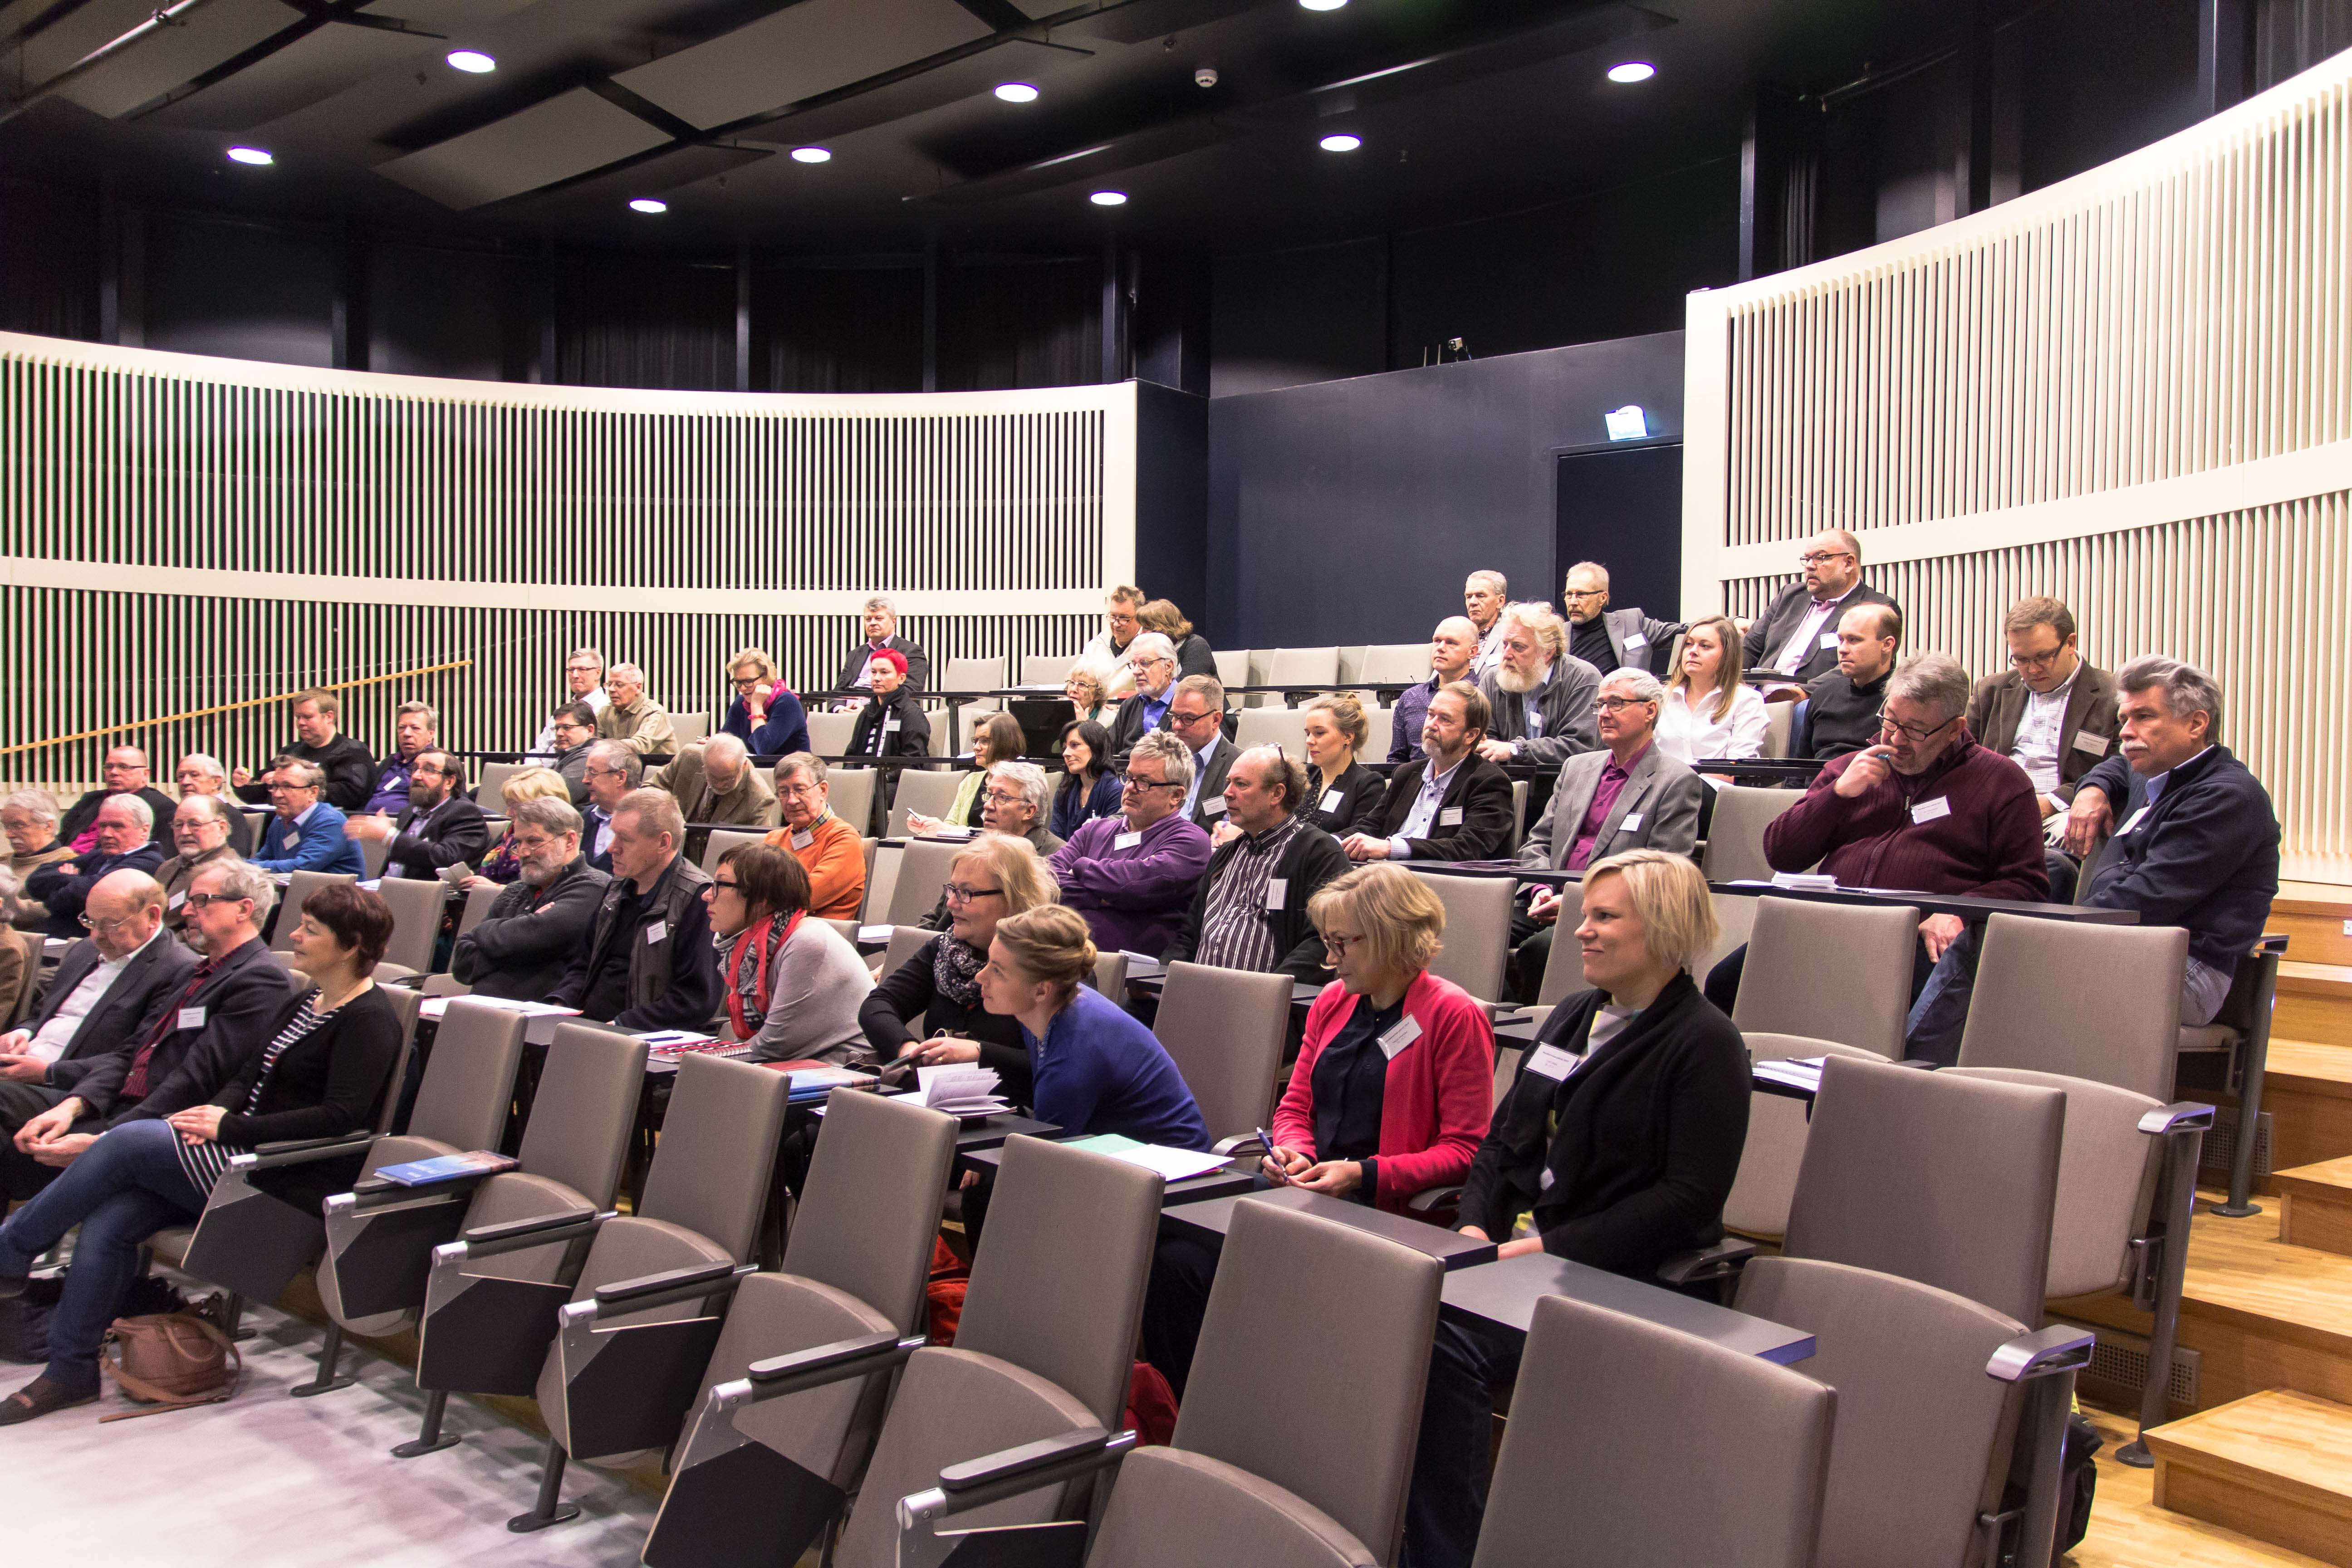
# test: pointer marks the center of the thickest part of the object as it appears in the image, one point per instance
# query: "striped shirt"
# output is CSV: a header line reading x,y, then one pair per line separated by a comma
x,y
1234,932
205,1163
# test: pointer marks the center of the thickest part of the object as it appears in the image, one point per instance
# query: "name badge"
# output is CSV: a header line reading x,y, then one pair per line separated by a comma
x,y
2095,744
392,873
805,838
1400,1035
177,900
1214,806
1829,642
190,1019
293,842
657,932
2132,821
1450,816
1552,1062
888,725
1330,801
1636,640
1929,810
1277,888
1633,823
1126,841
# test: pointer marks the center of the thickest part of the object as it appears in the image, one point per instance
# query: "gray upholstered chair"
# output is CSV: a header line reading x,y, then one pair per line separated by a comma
x,y
477,906
645,1312
922,872
299,886
491,791
1735,834
1321,1487
829,734
689,728
1563,975
905,942
1477,943
2031,1008
1830,972
762,1471
1225,1029
723,839
1777,1128
849,792
492,1265
1941,1401
373,852
1111,974
2241,1034
929,791
1704,1455
415,907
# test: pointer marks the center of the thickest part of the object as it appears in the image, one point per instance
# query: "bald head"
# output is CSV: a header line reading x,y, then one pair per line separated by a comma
x,y
724,758
125,909
1452,647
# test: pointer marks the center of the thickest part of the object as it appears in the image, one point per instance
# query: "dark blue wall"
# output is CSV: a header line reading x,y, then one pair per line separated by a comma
x,y
1349,511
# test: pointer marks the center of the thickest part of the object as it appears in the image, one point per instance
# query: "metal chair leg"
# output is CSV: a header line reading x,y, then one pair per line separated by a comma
x,y
325,1381
429,1439
551,1509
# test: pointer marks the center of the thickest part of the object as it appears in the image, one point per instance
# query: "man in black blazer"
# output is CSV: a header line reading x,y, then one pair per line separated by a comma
x,y
1796,633
109,987
126,774
1453,804
438,826
120,843
534,928
880,623
1196,716
202,1033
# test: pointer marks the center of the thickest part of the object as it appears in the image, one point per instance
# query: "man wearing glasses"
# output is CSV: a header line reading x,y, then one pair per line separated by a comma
x,y
2052,713
306,834
1132,875
1606,638
120,841
584,681
521,948
1152,657
126,775
1796,633
612,771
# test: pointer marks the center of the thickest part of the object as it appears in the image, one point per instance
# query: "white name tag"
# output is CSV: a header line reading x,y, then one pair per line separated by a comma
x,y
1552,1062
293,842
1400,1035
190,1019
888,725
177,899
1214,806
1450,816
1829,642
1330,801
657,932
2095,744
1929,810
805,838
1277,888
1126,841
1636,640
1633,823
2132,821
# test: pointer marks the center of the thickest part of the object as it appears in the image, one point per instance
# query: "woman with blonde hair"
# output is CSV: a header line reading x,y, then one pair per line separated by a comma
x,y
998,740
1088,689
1339,789
1709,711
1192,654
763,714
502,866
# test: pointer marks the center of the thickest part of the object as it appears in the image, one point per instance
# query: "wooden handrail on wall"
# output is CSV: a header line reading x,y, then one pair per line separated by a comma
x,y
233,707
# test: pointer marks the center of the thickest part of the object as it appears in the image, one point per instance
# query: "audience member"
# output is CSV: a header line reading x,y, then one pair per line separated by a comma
x,y
413,726
306,834
1709,711
1090,789
1606,638
1151,660
1088,686
997,740
1453,650
714,782
1339,789
1131,876
439,826
830,850
1485,594
2052,713
792,984
1541,695
503,864
319,1067
1629,796
1192,654
521,949
1014,806
1796,633
929,1006
647,962
122,840
1615,1148
889,722
1453,804
584,685
765,714
19,952
109,987
573,731
1093,1068
29,817
1842,706
199,837
1112,649
614,769
126,774
1250,910
1196,716
349,767
632,718
200,773
880,623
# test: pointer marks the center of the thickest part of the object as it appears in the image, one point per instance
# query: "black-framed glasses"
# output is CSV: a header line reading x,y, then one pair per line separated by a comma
x,y
957,893
1619,704
718,882
1129,781
1821,557
2038,661
205,900
1912,732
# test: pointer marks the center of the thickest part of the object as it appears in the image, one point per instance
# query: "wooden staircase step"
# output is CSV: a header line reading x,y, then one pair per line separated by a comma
x,y
2315,1206
2316,920
2307,1094
2315,1002
2276,1466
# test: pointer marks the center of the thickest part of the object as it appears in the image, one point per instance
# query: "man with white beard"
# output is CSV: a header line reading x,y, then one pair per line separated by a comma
x,y
522,946
1542,696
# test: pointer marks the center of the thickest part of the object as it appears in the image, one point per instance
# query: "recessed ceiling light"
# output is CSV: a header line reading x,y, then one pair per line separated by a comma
x,y
648,205
1322,5
254,156
1341,142
471,61
812,155
1109,198
1016,92
1632,71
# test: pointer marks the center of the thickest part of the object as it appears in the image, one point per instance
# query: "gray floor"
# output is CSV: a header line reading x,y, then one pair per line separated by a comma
x,y
266,1480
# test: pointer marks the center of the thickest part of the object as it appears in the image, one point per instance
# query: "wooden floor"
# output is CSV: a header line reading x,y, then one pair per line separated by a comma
x,y
2129,1531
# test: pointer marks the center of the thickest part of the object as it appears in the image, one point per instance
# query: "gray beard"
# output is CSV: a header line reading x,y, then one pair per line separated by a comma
x,y
534,876
1516,684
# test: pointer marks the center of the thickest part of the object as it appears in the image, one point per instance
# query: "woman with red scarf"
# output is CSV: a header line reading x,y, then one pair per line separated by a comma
x,y
792,984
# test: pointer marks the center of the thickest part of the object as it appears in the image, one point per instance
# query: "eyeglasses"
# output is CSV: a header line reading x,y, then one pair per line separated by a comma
x,y
1818,557
2037,660
1129,781
957,893
1584,594
1338,942
1912,732
718,882
205,900
89,924
1619,704
1190,718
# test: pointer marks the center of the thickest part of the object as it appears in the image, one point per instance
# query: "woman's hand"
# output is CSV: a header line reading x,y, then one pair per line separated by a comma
x,y
1473,1232
198,1123
1281,1164
942,1048
1518,1248
917,823
1336,1177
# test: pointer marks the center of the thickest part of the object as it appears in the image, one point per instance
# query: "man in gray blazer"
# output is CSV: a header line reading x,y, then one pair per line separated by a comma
x,y
1630,795
1796,633
1196,716
1541,694
1606,638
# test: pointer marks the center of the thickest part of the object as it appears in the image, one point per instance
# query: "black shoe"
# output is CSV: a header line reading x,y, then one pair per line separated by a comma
x,y
24,1332
39,1397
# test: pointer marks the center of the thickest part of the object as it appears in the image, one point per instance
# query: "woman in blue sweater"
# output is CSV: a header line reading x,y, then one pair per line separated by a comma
x,y
1096,1070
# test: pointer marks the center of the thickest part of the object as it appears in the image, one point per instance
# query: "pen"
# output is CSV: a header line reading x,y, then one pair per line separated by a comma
x,y
1267,1139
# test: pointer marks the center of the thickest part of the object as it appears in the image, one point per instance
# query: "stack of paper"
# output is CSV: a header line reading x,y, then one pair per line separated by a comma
x,y
1805,882
960,1089
1173,1164
1794,1072
543,1015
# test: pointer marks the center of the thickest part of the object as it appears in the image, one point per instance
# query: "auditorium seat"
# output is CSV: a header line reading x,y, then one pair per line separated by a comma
x,y
1780,720
1225,1029
491,789
850,794
1476,946
1837,972
1234,665
1735,834
1284,727
1393,663
1110,975
2242,1032
930,790
299,886
1298,667
1775,1147
829,732
477,905
1380,732
1563,975
1518,813
372,853
905,942
416,906
1047,669
723,839
923,865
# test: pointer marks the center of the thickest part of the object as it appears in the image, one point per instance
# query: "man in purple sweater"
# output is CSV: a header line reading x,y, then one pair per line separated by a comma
x,y
1926,810
1133,875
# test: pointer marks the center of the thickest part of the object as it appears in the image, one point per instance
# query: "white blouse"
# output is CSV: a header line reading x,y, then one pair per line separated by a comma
x,y
1688,735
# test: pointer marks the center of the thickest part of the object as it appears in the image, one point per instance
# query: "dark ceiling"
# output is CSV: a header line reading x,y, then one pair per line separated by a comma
x,y
1465,108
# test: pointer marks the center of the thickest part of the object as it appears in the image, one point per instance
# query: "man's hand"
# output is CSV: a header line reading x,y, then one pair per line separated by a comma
x,y
1785,694
1475,1234
63,1151
2090,818
1518,1248
375,825
18,1068
1867,771
1544,908
1364,846
1225,833
1939,931
14,1040
1496,751
2051,805
50,1125
240,776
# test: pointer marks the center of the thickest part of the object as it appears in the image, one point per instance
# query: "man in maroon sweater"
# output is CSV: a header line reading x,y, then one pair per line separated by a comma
x,y
1926,810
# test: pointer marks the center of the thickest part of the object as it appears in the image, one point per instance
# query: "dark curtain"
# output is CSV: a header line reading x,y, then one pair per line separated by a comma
x,y
49,259
1020,324
837,329
644,322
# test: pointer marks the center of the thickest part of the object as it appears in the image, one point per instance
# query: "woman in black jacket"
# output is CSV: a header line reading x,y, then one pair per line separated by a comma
x,y
890,724
1618,1143
320,1070
1339,789
937,990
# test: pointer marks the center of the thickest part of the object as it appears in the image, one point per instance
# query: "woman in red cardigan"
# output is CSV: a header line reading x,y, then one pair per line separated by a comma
x,y
1392,1091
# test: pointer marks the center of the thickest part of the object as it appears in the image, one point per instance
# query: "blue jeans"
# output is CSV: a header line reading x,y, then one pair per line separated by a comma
x,y
125,1187
1940,1014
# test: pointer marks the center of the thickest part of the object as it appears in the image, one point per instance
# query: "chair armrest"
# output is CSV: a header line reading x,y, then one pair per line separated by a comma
x,y
2058,1348
976,1483
302,1150
657,1289
490,1240
821,1364
1922,1063
1429,1199
1721,1262
1013,1464
2273,945
1229,1147
2178,1117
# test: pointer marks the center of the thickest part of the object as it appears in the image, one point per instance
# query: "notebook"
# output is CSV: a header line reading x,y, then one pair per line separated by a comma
x,y
445,1167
